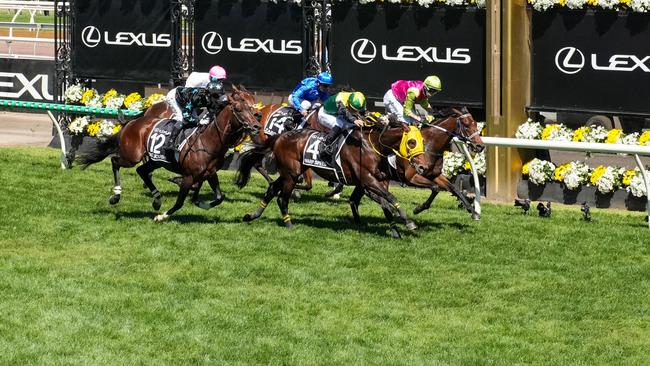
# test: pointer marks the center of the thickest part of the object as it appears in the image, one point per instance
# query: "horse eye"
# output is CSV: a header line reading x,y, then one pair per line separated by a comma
x,y
412,143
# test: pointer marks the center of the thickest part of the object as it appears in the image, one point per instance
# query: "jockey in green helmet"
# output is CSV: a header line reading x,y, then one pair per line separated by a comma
x,y
340,112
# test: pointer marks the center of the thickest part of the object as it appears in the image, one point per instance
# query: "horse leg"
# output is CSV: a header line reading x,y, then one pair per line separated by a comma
x,y
180,199
213,180
443,182
385,206
117,187
427,204
283,201
355,199
145,172
307,177
262,170
392,204
271,192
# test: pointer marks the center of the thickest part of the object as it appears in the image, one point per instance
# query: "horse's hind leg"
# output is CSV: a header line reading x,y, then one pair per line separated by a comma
x,y
335,193
262,170
283,201
427,204
180,199
144,171
117,188
392,203
443,182
271,192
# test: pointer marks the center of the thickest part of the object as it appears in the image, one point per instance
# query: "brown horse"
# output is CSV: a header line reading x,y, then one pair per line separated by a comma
x,y
360,167
198,160
437,139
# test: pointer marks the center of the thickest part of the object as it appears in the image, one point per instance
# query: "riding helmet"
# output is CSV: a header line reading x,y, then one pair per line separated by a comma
x,y
214,88
325,78
357,101
433,83
217,73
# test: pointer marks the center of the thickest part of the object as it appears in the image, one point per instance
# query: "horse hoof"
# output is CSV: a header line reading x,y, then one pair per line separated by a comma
x,y
411,226
160,218
288,225
336,196
476,216
417,210
114,199
156,203
395,234
249,218
297,194
219,200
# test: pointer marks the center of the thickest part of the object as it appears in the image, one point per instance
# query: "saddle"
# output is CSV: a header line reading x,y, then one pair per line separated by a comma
x,y
166,140
313,153
282,120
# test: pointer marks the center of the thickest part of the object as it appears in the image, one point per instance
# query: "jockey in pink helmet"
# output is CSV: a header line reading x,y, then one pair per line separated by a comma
x,y
403,95
212,80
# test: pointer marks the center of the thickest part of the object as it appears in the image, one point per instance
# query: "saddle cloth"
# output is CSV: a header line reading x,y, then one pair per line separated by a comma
x,y
160,146
312,155
282,120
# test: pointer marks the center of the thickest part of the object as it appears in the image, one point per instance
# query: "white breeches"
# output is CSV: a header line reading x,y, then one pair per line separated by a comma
x,y
171,101
393,106
330,121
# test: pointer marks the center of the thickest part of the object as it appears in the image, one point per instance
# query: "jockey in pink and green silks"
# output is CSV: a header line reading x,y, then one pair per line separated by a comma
x,y
403,95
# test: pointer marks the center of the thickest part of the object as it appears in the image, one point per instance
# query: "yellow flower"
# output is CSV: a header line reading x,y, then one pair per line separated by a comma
x,y
88,95
117,128
93,129
560,172
644,138
579,134
613,136
562,2
546,133
153,98
109,94
524,169
627,177
131,98
592,2
445,153
467,166
625,2
597,173
258,105
241,145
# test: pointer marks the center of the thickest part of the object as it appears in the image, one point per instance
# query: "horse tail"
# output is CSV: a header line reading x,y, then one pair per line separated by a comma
x,y
100,151
252,157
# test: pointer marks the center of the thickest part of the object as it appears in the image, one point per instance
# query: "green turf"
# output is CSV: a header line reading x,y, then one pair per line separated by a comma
x,y
83,283
25,17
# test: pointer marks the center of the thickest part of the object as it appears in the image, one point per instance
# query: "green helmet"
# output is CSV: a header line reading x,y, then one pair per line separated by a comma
x,y
433,83
357,101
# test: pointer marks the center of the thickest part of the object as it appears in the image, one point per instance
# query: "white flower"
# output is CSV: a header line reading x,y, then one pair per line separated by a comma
x,y
452,164
116,102
641,6
105,129
480,126
529,130
576,4
78,125
576,175
631,139
541,5
637,185
540,171
95,102
561,133
137,106
596,134
608,182
608,4
480,163
73,94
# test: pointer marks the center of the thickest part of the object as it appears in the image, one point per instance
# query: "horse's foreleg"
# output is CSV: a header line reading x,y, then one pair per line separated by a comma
x,y
392,204
213,180
145,172
443,182
271,192
180,200
117,187
355,199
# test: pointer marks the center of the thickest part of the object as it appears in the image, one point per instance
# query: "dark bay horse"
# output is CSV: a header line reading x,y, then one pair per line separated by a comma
x,y
198,161
359,162
437,139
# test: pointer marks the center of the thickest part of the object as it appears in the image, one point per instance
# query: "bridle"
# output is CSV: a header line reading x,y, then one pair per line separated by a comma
x,y
463,131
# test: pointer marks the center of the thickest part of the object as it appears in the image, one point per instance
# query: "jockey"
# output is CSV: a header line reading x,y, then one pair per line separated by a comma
x,y
401,98
198,80
310,90
340,112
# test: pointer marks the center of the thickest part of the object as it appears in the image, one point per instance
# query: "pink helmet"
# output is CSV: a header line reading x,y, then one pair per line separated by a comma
x,y
217,72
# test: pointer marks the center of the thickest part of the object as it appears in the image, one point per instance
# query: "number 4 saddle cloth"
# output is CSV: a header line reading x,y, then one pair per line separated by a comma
x,y
160,146
312,155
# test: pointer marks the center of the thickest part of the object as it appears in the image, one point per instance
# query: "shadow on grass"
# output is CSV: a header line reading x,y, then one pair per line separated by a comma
x,y
180,217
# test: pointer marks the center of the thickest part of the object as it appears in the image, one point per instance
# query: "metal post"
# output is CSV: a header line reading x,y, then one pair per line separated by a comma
x,y
644,174
64,156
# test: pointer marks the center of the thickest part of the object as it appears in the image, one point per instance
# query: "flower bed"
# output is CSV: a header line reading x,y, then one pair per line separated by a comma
x,y
641,6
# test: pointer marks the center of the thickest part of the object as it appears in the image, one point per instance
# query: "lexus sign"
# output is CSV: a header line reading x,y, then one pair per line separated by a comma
x,y
374,46
212,43
92,37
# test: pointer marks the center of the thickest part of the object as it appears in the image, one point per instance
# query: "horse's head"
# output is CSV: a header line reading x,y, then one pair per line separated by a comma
x,y
467,129
412,148
241,102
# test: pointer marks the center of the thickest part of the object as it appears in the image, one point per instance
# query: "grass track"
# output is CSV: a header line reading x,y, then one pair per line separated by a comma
x,y
83,283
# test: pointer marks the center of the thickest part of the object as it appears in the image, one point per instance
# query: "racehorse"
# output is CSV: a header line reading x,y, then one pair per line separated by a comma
x,y
360,167
437,139
198,160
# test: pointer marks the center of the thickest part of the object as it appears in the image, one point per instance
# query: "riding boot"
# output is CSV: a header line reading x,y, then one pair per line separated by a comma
x,y
328,150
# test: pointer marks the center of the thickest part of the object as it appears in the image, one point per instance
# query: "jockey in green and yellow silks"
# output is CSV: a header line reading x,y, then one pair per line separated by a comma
x,y
403,95
340,112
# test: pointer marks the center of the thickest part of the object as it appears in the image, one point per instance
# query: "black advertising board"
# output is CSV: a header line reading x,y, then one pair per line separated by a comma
x,y
591,61
27,79
127,40
374,45
258,43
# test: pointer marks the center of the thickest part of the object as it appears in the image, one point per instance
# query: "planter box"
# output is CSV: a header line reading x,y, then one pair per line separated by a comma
x,y
557,192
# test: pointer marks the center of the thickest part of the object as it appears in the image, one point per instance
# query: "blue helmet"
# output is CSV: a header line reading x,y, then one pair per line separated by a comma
x,y
325,78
